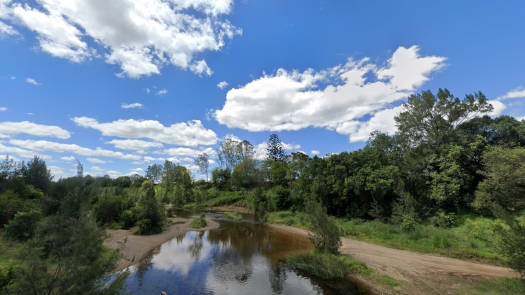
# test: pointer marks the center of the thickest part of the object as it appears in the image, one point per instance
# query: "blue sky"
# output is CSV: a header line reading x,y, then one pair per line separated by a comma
x,y
125,85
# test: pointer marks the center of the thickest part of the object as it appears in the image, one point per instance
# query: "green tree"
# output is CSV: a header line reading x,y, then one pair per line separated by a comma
x,y
154,173
203,162
275,149
326,235
503,192
37,174
150,211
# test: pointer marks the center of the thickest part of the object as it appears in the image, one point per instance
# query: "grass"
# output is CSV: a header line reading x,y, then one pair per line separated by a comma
x,y
198,222
472,238
495,287
335,267
223,198
232,216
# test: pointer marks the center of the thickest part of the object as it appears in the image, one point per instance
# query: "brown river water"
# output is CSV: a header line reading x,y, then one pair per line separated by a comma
x,y
239,257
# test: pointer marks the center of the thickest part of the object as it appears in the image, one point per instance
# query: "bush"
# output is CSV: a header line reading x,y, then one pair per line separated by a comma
x,y
445,220
327,266
408,223
129,218
22,226
232,216
198,222
512,245
326,234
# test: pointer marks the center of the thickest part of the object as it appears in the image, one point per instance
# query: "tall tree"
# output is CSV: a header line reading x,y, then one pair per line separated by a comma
x,y
154,173
203,162
275,149
37,174
431,119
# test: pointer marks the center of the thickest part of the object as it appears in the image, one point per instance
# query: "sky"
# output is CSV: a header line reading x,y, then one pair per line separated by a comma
x,y
122,84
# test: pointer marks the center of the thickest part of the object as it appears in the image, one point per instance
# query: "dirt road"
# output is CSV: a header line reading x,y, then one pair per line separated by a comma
x,y
418,273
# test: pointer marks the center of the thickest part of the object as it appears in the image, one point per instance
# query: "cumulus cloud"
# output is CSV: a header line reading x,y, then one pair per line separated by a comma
x,y
146,35
137,145
32,81
69,158
26,127
515,93
360,130
191,133
3,109
315,152
24,153
222,84
332,98
186,152
134,105
57,172
44,145
96,161
162,92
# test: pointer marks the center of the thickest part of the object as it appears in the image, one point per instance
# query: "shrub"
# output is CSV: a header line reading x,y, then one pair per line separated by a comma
x,y
22,226
198,222
129,218
326,234
408,223
445,220
327,266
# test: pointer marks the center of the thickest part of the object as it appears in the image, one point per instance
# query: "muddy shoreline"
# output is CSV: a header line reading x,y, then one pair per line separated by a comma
x,y
134,248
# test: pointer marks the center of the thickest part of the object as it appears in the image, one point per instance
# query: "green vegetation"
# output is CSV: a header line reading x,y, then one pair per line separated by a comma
x,y
495,287
447,182
327,266
470,238
198,222
232,216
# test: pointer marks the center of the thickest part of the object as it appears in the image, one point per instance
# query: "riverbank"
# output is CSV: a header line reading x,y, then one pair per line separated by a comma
x,y
418,273
134,248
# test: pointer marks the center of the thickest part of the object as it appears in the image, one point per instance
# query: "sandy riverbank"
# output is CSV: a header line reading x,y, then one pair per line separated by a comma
x,y
418,273
135,247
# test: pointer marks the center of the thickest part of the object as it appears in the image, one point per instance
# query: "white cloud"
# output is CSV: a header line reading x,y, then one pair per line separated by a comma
x,y
186,152
44,145
162,92
5,12
498,107
360,130
138,171
32,81
134,105
3,109
57,172
146,35
26,127
521,118
24,153
96,161
113,173
190,133
69,158
222,84
515,93
292,100
12,78
138,145
97,169
315,152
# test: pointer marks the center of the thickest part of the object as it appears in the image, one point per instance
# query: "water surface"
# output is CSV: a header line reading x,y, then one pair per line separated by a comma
x,y
237,258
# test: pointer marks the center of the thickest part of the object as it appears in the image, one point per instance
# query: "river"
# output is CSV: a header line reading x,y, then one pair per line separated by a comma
x,y
239,257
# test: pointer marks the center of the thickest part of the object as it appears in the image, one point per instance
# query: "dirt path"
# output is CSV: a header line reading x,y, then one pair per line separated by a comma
x,y
134,247
418,273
